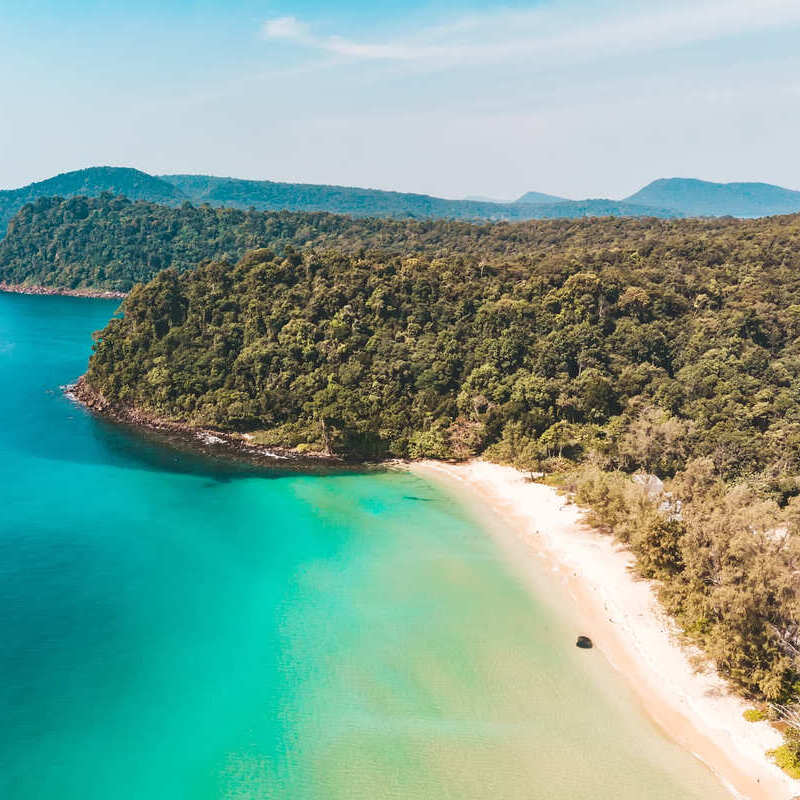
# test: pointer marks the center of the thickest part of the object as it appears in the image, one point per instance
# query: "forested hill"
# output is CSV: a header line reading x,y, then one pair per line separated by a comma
x,y
271,195
415,353
111,243
538,198
132,183
664,198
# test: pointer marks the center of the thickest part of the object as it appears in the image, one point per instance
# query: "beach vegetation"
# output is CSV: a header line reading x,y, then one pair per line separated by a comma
x,y
787,757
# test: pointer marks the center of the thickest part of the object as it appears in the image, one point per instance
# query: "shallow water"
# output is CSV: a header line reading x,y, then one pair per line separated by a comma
x,y
175,628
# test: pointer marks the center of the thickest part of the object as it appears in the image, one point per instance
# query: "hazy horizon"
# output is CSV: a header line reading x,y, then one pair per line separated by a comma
x,y
577,98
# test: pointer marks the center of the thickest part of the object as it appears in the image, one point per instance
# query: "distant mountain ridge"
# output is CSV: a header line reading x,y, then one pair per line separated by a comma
x,y
696,198
665,198
274,196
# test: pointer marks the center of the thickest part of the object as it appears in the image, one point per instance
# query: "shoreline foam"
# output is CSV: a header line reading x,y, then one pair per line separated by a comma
x,y
623,617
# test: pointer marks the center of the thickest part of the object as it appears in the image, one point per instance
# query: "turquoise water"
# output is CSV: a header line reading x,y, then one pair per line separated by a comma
x,y
175,628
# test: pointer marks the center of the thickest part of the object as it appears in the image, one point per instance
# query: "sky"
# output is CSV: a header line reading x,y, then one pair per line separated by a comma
x,y
579,98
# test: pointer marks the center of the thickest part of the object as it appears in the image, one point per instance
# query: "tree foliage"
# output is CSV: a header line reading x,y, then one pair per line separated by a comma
x,y
726,558
109,242
684,347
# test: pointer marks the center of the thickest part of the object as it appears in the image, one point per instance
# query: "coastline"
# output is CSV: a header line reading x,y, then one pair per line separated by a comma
x,y
622,616
98,294
205,441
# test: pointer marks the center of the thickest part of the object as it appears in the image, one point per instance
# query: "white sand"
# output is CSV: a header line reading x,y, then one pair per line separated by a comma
x,y
623,617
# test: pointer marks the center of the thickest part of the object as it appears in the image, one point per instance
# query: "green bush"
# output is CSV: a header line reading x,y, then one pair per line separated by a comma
x,y
786,758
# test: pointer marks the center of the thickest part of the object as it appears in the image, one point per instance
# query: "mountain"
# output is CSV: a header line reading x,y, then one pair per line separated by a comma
x,y
538,198
272,196
695,198
666,198
132,183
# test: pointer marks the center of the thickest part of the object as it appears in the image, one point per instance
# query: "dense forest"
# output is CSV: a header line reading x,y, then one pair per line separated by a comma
x,y
608,348
571,345
111,243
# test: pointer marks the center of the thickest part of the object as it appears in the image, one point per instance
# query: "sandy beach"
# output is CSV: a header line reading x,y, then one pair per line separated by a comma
x,y
626,623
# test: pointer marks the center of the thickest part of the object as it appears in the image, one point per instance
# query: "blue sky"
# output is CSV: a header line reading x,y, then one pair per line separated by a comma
x,y
572,97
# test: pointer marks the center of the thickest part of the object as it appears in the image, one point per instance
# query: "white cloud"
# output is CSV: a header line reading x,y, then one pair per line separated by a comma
x,y
294,30
289,28
559,32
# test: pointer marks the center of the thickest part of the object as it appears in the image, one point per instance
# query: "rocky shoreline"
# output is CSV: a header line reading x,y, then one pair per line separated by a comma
x,y
99,294
204,441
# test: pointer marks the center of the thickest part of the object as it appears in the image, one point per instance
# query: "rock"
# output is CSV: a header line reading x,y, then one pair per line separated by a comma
x,y
584,642
652,484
